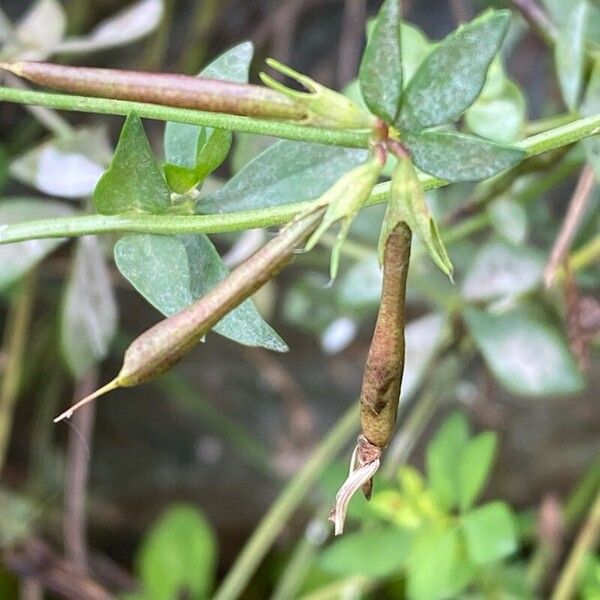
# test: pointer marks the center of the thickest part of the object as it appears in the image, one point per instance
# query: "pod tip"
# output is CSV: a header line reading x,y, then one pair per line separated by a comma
x,y
111,385
12,67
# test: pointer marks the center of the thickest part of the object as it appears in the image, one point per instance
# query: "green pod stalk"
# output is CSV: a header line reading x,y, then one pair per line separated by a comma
x,y
382,377
160,347
168,89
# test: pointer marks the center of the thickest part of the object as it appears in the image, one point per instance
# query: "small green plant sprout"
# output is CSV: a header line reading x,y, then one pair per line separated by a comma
x,y
431,531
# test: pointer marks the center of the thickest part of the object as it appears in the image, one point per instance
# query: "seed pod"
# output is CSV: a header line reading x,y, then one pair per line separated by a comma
x,y
382,377
168,89
159,348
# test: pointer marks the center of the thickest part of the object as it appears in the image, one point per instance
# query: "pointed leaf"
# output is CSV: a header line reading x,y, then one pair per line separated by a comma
x,y
178,556
452,76
526,355
133,182
17,259
380,73
89,312
490,533
285,172
459,157
475,465
569,53
407,203
193,152
171,272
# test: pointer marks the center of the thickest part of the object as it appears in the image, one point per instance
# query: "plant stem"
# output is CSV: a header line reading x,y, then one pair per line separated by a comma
x,y
586,542
274,521
261,217
17,328
350,138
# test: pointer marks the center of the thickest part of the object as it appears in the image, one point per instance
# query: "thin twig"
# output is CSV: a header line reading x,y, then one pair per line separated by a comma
x,y
78,459
586,541
575,212
274,521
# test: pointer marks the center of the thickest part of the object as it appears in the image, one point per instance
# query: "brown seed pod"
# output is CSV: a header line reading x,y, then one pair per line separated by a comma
x,y
160,347
168,89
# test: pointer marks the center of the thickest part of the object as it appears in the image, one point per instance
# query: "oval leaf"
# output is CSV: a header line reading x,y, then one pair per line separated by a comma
x,y
380,73
133,182
285,172
527,356
459,157
475,464
171,272
452,76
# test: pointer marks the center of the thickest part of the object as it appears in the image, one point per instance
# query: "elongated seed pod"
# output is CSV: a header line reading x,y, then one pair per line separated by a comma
x,y
160,347
169,89
382,377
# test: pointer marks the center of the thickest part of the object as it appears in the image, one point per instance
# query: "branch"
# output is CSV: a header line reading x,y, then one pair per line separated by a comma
x,y
350,138
261,217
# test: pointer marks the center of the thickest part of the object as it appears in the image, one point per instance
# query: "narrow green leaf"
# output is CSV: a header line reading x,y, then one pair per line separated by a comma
x,y
475,465
459,157
134,181
569,53
490,533
407,203
17,259
452,76
526,355
171,272
380,73
285,172
89,312
193,152
378,554
442,459
178,557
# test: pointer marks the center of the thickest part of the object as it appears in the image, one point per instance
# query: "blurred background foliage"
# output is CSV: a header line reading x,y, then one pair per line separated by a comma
x,y
181,470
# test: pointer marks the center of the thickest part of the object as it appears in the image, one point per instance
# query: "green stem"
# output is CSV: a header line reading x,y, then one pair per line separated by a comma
x,y
274,521
586,542
17,327
350,138
262,217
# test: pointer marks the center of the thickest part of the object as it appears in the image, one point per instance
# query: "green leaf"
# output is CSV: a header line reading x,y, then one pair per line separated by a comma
x,y
459,157
490,533
178,556
285,172
407,203
500,269
499,112
436,569
475,464
89,312
380,72
452,76
526,355
443,459
591,106
134,181
17,259
509,219
380,553
193,152
171,272
67,166
569,53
